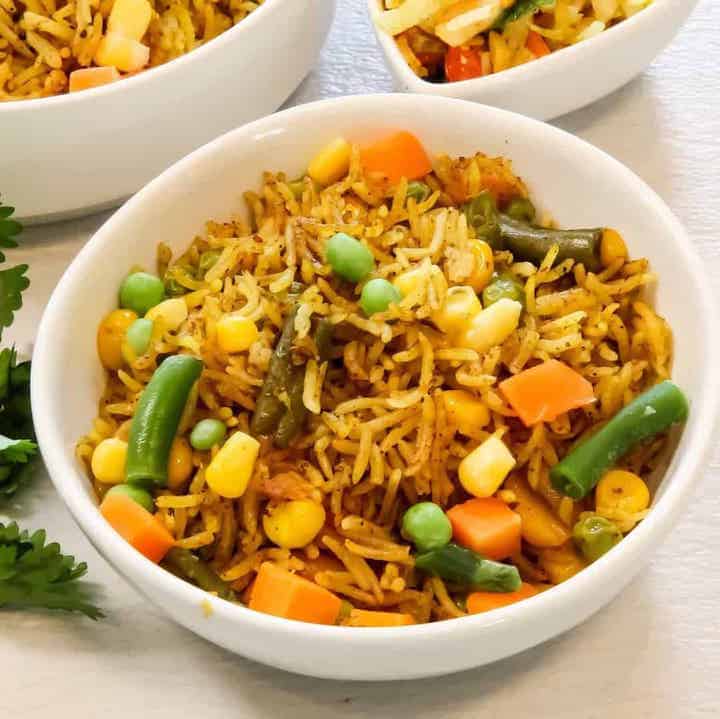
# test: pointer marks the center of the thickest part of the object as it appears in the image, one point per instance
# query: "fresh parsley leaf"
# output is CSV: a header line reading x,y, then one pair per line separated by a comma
x,y
36,574
517,10
12,284
16,451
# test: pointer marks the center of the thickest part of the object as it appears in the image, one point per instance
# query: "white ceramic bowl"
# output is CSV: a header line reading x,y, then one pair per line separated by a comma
x,y
583,187
563,81
71,154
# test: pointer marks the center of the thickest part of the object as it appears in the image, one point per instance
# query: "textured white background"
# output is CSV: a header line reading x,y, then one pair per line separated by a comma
x,y
654,652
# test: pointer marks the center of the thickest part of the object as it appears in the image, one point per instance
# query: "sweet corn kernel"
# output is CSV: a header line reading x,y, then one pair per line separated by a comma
x,y
236,333
465,411
130,18
124,53
612,247
167,316
331,163
108,461
410,281
485,468
484,265
492,326
180,464
110,336
230,470
621,490
460,307
294,524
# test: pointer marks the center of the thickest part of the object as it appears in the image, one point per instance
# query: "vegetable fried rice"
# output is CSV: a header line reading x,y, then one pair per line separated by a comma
x,y
390,393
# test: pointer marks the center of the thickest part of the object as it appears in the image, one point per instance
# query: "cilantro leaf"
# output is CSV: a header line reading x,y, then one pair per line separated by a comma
x,y
12,284
517,10
36,574
16,451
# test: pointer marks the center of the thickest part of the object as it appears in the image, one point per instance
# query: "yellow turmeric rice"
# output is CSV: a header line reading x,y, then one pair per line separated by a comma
x,y
396,403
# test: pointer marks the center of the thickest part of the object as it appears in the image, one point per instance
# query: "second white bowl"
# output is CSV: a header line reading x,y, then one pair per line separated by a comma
x,y
565,80
581,185
72,154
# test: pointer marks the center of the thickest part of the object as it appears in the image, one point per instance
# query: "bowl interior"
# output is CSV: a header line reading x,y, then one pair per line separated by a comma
x,y
578,184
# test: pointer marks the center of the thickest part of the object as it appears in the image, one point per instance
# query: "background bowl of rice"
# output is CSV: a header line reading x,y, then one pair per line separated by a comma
x,y
562,81
71,154
579,184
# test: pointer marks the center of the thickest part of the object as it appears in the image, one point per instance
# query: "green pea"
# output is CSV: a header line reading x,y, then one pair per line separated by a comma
x,y
504,285
207,260
426,526
594,535
348,257
139,334
377,295
521,209
141,291
207,433
419,191
137,494
481,214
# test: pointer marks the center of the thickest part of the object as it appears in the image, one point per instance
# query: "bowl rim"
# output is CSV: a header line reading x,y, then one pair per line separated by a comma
x,y
533,70
150,579
177,64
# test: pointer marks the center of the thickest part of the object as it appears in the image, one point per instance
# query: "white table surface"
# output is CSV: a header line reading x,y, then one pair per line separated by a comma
x,y
654,652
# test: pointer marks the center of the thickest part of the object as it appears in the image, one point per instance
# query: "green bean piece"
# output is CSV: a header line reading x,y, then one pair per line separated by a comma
x,y
292,421
468,570
419,191
521,209
141,291
531,243
207,260
426,526
595,535
323,339
481,214
188,566
503,286
649,414
137,494
156,420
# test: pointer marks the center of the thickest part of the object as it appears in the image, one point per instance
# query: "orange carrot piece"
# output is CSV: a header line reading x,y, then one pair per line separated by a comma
x,y
283,594
485,601
396,156
137,526
543,392
487,526
366,618
536,44
88,77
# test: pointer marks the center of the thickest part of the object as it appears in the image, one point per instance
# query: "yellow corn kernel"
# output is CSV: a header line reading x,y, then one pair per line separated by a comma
x,y
460,307
540,527
108,461
180,464
484,265
612,247
236,333
410,281
110,337
168,315
561,563
465,411
331,163
492,326
230,470
130,18
293,524
485,468
621,490
500,53
124,53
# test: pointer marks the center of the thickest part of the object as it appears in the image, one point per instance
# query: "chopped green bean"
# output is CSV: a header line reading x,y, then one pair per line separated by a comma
x,y
185,564
137,494
419,191
481,214
521,209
